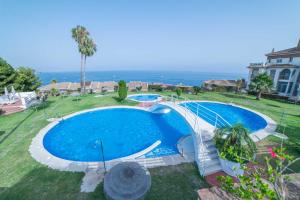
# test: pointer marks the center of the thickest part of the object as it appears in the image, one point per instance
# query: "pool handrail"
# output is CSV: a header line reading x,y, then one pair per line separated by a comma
x,y
210,113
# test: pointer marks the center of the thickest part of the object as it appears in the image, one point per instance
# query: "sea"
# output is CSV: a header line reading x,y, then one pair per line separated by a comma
x,y
191,78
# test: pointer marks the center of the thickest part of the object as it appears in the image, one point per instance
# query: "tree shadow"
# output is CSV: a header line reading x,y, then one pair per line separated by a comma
x,y
43,105
272,105
76,99
45,183
234,95
17,126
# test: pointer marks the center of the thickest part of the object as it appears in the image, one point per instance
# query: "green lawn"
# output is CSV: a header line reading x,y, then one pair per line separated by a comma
x,y
21,177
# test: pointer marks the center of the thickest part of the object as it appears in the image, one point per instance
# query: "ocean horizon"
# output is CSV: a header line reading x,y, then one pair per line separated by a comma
x,y
169,77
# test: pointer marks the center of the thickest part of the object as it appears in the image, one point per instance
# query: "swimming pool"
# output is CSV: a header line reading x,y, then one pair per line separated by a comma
x,y
145,97
232,114
123,132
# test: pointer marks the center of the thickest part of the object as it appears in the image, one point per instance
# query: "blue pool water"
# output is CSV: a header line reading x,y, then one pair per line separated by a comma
x,y
144,97
231,114
123,131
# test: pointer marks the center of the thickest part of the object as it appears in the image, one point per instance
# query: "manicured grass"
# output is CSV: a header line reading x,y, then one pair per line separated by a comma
x,y
287,116
21,177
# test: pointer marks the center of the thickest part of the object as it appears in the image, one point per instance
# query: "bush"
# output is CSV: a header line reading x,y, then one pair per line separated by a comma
x,y
156,88
178,91
122,91
138,88
196,90
54,92
234,143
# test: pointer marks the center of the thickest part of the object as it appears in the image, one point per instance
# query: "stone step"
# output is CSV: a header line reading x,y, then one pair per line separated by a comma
x,y
212,156
211,163
212,169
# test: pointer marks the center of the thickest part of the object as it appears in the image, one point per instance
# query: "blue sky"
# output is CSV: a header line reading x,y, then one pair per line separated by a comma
x,y
208,36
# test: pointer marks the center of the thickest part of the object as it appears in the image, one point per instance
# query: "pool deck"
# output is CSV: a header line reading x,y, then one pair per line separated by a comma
x,y
94,171
257,135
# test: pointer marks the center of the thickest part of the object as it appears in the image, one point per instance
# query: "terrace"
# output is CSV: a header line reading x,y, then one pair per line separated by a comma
x,y
23,177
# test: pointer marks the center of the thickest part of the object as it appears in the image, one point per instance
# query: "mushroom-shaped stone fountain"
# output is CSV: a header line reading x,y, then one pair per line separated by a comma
x,y
127,180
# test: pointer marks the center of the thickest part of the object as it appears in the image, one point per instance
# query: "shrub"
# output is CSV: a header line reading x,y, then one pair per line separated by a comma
x,y
178,91
138,88
261,83
122,91
234,143
156,88
54,92
196,90
266,181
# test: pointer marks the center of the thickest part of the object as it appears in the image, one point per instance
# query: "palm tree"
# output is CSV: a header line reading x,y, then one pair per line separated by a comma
x,y
87,48
236,138
261,83
79,33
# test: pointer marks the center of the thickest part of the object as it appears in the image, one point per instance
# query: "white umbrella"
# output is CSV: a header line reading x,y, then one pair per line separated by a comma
x,y
13,90
6,91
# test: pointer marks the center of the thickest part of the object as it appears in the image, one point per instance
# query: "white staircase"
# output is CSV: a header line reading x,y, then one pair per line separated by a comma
x,y
206,155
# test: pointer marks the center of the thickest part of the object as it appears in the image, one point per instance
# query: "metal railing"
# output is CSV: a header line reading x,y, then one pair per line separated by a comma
x,y
207,114
192,117
194,111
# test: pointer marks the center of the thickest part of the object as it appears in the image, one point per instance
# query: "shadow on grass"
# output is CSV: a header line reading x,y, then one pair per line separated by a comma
x,y
171,182
17,126
234,95
76,99
43,105
272,105
123,102
44,183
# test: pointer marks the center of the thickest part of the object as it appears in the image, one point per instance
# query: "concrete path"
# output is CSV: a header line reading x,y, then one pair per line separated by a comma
x,y
90,180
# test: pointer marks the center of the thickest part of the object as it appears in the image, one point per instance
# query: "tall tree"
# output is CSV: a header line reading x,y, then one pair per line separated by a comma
x,y
122,91
261,83
7,75
26,80
87,48
79,33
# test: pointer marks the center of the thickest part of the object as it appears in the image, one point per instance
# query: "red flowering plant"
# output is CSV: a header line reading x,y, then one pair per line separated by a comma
x,y
262,182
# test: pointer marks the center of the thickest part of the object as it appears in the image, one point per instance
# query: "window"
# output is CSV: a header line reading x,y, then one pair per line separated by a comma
x,y
284,74
269,60
290,87
281,87
254,73
272,74
279,60
291,59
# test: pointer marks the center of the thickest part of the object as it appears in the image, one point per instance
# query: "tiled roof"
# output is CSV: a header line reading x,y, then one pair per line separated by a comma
x,y
230,83
281,65
295,52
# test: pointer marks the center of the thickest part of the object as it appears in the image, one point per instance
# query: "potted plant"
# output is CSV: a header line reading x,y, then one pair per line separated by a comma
x,y
235,147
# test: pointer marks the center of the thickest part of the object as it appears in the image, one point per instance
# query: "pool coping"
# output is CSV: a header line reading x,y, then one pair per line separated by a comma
x,y
43,156
144,94
257,135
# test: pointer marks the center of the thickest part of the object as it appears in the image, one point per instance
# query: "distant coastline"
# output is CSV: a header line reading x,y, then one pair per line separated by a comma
x,y
168,77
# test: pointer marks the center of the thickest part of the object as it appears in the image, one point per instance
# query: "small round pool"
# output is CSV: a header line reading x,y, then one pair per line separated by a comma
x,y
232,114
123,132
145,97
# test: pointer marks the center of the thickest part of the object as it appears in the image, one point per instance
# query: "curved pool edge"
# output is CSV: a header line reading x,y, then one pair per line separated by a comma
x,y
43,156
154,101
257,135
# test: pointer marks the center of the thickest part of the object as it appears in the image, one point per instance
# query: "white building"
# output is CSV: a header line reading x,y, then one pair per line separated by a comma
x,y
284,68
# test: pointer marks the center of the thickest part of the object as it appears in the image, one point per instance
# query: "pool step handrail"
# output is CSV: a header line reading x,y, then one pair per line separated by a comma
x,y
210,115
201,155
